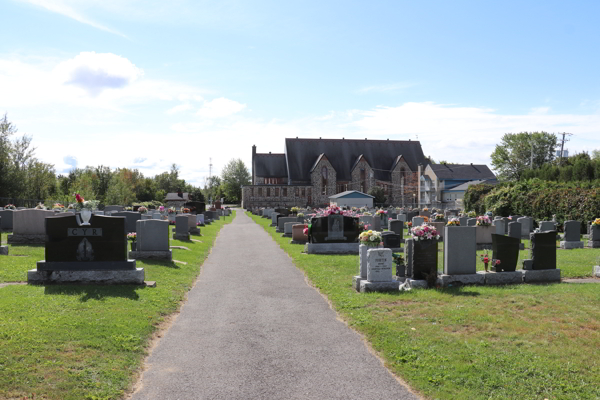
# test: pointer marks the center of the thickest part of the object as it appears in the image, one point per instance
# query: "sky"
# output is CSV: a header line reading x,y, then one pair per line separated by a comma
x,y
145,84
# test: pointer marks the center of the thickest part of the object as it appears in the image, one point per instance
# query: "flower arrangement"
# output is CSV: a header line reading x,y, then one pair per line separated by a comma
x,y
58,206
426,209
161,209
366,214
409,224
185,210
424,232
453,222
483,220
439,217
305,230
300,215
485,259
81,203
294,209
335,210
380,213
171,210
10,207
596,222
142,210
132,236
370,238
471,214
363,227
40,206
425,218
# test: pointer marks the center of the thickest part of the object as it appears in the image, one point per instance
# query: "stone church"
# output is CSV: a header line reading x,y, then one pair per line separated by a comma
x,y
311,170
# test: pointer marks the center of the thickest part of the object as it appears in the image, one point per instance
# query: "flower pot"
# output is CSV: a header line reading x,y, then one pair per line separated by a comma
x,y
85,215
424,258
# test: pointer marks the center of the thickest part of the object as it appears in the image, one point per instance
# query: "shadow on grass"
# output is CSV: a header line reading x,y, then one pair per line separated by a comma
x,y
459,291
95,292
168,264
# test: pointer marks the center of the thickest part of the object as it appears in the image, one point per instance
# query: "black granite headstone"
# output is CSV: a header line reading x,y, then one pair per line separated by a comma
x,y
424,259
101,245
505,249
391,240
334,229
543,250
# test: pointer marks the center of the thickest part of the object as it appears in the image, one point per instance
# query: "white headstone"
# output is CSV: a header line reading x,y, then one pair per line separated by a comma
x,y
379,265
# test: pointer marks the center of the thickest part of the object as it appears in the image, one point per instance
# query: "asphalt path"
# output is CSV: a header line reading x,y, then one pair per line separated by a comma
x,y
252,328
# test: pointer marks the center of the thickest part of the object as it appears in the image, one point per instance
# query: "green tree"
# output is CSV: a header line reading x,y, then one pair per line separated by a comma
x,y
519,151
378,193
7,129
212,188
234,175
120,190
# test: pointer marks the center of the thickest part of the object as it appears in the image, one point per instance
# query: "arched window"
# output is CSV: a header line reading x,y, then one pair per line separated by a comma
x,y
324,181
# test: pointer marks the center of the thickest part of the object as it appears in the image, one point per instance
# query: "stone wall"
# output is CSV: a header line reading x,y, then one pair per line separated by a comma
x,y
279,195
318,198
356,181
402,192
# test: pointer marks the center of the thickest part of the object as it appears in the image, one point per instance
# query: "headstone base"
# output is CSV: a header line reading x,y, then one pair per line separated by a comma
x,y
297,241
181,237
571,245
331,248
195,231
132,277
286,235
3,250
541,275
417,283
26,239
356,282
151,255
273,224
597,271
391,286
460,280
44,265
594,244
502,278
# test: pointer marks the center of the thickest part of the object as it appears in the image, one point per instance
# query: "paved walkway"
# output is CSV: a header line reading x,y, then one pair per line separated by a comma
x,y
253,329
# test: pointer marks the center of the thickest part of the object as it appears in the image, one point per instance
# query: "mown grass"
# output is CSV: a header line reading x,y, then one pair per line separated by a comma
x,y
86,341
512,342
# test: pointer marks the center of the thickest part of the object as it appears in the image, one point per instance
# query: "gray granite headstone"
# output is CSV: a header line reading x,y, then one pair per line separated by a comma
x,y
572,231
547,226
152,235
525,225
131,217
7,220
515,230
499,224
463,221
376,224
471,222
362,261
401,217
379,265
417,221
460,249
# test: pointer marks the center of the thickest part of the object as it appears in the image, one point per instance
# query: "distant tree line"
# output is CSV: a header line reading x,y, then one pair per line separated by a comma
x,y
23,176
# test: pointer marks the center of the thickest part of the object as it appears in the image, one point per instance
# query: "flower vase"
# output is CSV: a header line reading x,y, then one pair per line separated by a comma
x,y
133,246
486,266
85,214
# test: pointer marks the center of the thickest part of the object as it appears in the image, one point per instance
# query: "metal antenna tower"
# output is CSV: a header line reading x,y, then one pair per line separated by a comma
x,y
210,168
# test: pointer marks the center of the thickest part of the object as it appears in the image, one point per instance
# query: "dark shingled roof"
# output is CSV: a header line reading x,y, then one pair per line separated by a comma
x,y
270,166
175,197
381,155
462,171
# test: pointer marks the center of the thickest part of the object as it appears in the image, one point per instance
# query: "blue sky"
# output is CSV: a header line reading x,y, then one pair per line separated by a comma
x,y
144,84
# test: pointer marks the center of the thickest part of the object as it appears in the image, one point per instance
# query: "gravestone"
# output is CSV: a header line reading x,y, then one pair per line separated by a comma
x,y
525,226
505,249
192,224
391,241
397,227
131,219
7,220
463,221
3,249
94,253
376,224
200,218
379,265
408,251
546,226
572,236
181,228
274,215
29,226
298,236
334,229
543,251
146,216
460,248
401,217
424,259
367,220
506,222
287,228
156,216
417,221
594,240
281,221
514,230
152,240
499,224
362,261
471,222
114,208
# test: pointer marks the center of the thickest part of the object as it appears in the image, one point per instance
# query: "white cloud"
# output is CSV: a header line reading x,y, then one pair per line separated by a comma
x,y
219,108
61,7
180,108
96,72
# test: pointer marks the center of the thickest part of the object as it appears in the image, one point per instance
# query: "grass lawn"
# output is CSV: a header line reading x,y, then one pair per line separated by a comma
x,y
86,341
510,342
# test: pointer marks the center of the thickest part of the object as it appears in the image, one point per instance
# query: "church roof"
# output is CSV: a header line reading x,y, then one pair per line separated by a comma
x,y
462,171
301,155
270,165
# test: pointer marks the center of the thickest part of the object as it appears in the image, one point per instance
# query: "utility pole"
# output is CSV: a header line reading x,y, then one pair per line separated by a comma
x,y
210,168
562,145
